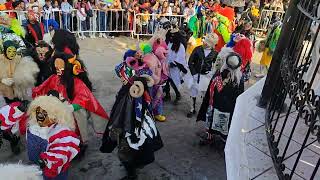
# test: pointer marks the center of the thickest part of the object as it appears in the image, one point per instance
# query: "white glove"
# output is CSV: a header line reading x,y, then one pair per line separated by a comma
x,y
7,81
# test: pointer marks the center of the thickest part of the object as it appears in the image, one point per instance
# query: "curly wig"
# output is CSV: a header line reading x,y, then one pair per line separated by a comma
x,y
57,111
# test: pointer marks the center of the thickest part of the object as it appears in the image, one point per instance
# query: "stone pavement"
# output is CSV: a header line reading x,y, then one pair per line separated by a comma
x,y
180,158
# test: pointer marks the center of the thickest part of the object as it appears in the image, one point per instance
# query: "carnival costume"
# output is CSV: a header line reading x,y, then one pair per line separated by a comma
x,y
270,44
200,66
51,141
72,83
17,74
244,47
177,64
41,55
197,23
220,99
159,48
223,28
132,127
10,29
13,123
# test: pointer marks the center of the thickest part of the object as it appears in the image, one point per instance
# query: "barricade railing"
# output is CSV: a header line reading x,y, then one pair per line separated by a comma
x,y
112,20
121,21
267,18
147,24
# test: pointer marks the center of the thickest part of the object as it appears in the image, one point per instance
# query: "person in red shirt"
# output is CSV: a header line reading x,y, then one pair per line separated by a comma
x,y
9,6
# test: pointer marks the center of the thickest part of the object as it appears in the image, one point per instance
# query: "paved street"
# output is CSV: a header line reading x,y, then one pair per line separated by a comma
x,y
180,158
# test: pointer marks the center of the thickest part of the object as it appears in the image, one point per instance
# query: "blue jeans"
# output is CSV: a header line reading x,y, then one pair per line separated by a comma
x,y
102,21
66,21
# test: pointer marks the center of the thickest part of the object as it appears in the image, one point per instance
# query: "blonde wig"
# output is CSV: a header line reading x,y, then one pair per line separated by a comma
x,y
58,111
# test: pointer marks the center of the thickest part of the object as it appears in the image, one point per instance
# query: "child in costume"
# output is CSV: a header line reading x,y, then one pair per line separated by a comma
x,y
13,120
131,126
220,99
17,74
51,141
200,65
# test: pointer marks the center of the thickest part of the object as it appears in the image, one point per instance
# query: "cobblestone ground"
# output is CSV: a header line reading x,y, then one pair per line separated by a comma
x,y
180,158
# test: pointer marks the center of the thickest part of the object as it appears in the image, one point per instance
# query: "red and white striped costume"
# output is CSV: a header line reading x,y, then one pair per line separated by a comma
x,y
10,116
63,146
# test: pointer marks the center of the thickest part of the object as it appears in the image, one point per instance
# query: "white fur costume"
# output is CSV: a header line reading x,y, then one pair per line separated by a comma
x,y
23,72
20,172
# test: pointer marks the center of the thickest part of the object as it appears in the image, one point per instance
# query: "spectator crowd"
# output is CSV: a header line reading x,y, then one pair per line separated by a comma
x,y
99,16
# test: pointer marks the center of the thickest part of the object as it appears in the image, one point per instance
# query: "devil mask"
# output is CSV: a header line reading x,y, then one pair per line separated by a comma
x,y
43,50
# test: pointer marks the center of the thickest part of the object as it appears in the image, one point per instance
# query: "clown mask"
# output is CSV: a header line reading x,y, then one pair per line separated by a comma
x,y
59,65
42,118
41,51
11,52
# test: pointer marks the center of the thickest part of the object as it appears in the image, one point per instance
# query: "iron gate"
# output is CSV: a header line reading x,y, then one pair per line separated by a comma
x,y
293,114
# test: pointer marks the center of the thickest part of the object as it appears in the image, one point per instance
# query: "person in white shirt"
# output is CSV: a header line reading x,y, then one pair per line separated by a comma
x,y
66,9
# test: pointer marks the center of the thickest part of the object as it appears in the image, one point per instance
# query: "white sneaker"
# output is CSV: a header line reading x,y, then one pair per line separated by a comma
x,y
112,37
92,36
100,35
104,35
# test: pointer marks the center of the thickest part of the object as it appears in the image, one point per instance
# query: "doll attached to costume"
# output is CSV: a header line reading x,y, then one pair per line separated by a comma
x,y
71,81
220,99
51,140
41,55
131,126
17,74
200,66
13,123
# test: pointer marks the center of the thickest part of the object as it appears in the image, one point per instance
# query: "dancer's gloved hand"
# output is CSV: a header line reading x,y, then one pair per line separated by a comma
x,y
7,81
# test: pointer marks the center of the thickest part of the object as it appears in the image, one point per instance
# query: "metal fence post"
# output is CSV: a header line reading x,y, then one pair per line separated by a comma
x,y
274,70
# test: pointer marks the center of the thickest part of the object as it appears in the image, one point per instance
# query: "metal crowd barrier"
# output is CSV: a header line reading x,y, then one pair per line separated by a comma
x,y
147,24
267,17
111,20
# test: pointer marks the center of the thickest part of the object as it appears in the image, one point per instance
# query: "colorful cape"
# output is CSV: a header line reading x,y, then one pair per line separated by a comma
x,y
82,95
